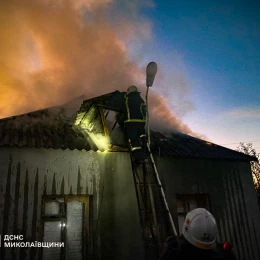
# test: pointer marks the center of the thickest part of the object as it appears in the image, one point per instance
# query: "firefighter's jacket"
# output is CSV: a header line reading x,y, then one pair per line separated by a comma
x,y
134,109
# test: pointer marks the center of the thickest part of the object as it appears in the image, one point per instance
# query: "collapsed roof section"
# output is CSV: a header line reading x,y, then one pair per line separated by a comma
x,y
90,122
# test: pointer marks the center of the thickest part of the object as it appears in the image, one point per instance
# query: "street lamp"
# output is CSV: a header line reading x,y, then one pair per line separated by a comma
x,y
151,70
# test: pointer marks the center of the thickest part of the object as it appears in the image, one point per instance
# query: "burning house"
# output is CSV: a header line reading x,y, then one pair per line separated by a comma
x,y
72,181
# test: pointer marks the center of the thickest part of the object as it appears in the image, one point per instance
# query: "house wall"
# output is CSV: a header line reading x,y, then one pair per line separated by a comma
x,y
231,194
28,173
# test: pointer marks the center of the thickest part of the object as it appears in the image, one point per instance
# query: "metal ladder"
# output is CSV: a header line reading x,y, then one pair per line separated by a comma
x,y
155,218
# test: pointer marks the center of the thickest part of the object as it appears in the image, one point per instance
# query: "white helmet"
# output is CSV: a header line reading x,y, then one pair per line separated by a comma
x,y
200,228
132,88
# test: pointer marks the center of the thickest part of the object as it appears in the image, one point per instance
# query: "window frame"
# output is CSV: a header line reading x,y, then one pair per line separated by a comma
x,y
202,200
87,226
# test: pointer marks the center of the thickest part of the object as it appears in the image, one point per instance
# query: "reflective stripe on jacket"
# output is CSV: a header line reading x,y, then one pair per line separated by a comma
x,y
135,108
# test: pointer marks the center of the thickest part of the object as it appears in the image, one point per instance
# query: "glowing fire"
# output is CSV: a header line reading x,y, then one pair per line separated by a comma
x,y
100,141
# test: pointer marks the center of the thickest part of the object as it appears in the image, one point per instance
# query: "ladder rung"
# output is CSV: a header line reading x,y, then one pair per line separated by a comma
x,y
153,184
159,212
141,186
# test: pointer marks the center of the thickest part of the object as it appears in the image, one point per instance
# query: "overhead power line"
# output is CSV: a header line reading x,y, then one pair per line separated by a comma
x,y
243,142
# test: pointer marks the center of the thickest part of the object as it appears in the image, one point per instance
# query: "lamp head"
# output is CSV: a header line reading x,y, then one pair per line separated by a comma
x,y
151,71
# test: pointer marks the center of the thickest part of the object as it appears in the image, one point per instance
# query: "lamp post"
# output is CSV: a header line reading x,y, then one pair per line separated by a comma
x,y
151,71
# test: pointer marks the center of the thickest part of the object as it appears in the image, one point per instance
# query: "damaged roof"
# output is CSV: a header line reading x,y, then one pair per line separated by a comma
x,y
50,128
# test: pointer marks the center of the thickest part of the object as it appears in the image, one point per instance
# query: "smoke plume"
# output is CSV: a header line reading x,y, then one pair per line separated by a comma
x,y
54,51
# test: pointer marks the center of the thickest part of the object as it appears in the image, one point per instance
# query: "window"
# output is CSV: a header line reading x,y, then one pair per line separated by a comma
x,y
66,219
188,202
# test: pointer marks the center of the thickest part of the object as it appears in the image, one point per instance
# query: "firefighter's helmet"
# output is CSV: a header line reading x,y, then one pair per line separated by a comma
x,y
131,89
200,228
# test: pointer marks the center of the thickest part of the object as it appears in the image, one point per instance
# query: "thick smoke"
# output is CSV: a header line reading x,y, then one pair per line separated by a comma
x,y
54,51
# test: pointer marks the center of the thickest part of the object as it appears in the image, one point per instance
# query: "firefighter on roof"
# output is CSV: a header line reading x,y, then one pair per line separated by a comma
x,y
134,111
198,240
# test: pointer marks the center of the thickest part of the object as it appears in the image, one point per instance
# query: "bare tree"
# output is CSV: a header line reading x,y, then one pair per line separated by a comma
x,y
255,165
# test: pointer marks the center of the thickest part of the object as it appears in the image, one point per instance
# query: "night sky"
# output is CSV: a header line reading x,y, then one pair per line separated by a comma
x,y
208,56
218,46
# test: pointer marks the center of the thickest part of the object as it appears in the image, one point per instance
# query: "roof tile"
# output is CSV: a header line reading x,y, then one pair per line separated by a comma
x,y
41,129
